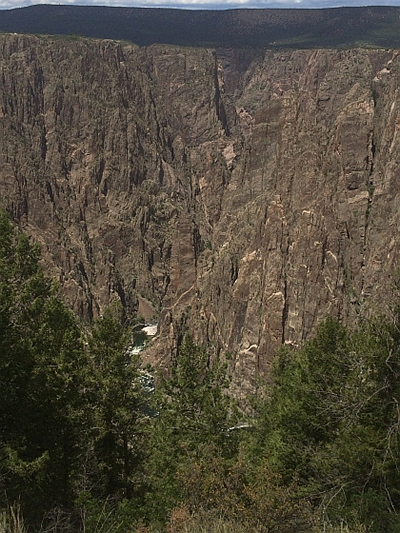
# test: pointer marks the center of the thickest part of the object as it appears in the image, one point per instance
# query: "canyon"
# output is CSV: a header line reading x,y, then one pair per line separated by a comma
x,y
242,194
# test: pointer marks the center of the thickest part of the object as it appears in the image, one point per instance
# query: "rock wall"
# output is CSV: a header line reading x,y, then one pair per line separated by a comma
x,y
241,193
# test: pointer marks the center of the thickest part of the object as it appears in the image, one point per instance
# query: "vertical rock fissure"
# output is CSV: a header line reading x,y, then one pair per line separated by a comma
x,y
285,311
219,104
371,190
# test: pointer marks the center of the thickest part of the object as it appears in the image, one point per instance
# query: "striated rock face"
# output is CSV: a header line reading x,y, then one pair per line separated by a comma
x,y
241,193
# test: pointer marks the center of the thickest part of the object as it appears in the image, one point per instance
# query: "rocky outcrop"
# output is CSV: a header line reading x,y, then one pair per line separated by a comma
x,y
243,194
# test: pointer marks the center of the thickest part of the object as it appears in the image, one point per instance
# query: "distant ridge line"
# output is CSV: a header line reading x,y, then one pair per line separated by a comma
x,y
376,27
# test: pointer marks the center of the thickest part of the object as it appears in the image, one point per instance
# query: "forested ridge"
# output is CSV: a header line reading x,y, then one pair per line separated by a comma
x,y
86,446
368,26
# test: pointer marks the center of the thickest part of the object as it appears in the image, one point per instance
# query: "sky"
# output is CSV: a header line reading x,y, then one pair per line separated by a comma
x,y
207,4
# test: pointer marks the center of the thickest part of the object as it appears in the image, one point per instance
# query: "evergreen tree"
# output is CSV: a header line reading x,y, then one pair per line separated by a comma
x,y
331,421
193,412
117,400
41,356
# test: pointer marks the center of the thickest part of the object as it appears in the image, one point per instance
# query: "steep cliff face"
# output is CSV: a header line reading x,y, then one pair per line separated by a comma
x,y
246,194
94,161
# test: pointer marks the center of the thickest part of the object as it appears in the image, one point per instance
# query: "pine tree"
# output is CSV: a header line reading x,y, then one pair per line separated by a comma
x,y
117,399
193,411
331,420
41,357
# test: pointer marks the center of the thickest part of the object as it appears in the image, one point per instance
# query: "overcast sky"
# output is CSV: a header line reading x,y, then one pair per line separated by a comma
x,y
216,4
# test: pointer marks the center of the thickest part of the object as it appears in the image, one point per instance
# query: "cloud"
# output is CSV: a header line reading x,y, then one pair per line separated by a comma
x,y
203,4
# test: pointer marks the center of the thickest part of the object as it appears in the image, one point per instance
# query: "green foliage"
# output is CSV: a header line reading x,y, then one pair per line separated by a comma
x,y
41,355
117,400
104,515
331,420
193,409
